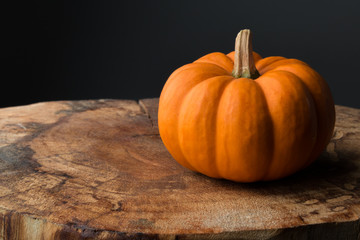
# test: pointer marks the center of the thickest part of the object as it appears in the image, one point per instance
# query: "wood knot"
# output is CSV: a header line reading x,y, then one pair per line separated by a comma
x,y
338,209
117,207
339,199
311,201
337,134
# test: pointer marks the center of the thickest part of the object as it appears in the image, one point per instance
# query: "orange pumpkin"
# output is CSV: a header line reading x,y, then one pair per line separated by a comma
x,y
245,118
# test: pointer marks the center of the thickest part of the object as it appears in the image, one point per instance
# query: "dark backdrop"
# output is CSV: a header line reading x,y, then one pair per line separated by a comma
x,y
55,50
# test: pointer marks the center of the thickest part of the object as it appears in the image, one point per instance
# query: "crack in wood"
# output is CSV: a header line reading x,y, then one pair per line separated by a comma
x,y
149,107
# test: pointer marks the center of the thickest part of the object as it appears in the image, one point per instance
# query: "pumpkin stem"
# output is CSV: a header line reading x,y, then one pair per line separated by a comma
x,y
244,65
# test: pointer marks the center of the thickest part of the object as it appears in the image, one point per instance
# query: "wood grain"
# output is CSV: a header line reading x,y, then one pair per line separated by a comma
x,y
97,169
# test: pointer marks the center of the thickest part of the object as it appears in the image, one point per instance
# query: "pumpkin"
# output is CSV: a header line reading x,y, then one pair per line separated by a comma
x,y
243,117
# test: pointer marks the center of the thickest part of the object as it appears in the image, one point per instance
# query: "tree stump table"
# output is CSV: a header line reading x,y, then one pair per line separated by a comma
x,y
97,169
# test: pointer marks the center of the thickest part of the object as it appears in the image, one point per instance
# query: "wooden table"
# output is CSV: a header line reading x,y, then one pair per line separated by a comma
x,y
97,169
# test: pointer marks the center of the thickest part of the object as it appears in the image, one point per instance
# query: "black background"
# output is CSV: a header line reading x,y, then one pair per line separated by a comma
x,y
60,50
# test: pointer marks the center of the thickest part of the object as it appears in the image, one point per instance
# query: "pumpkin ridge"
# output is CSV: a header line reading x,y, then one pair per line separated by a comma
x,y
271,123
207,83
314,104
214,64
296,83
262,63
180,148
220,95
170,138
318,109
286,61
174,76
188,66
236,161
219,59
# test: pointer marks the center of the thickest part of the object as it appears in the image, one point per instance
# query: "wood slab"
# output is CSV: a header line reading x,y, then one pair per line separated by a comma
x,y
98,170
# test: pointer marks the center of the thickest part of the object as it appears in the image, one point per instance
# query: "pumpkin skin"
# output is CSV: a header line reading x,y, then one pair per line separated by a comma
x,y
242,129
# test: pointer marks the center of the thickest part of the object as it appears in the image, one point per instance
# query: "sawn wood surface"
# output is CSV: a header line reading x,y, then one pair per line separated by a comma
x,y
98,169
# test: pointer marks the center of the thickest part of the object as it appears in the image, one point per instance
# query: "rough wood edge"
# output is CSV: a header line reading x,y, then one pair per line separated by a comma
x,y
15,225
